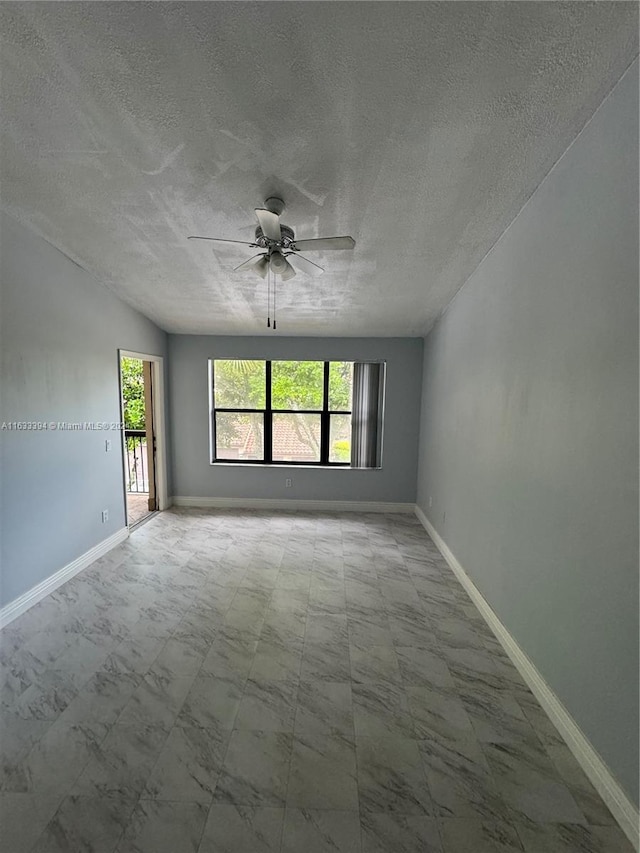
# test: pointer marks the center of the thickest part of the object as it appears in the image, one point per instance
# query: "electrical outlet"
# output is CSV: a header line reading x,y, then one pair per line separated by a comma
x,y
105,516
430,501
444,517
287,483
107,445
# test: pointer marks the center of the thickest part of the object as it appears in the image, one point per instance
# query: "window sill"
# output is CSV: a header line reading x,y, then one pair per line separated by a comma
x,y
290,467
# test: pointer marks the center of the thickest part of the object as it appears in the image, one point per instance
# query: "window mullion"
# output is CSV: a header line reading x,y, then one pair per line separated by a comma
x,y
268,416
324,418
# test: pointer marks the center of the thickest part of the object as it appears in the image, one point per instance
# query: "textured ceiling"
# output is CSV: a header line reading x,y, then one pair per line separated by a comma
x,y
418,128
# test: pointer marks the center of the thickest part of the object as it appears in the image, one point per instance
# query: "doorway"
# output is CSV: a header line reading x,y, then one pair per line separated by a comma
x,y
141,394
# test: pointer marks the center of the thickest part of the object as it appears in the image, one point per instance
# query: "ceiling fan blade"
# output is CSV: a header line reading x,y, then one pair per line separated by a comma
x,y
288,272
270,223
222,240
325,243
304,265
263,267
257,262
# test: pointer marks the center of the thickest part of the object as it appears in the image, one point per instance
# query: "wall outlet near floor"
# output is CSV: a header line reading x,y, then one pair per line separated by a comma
x,y
287,483
105,516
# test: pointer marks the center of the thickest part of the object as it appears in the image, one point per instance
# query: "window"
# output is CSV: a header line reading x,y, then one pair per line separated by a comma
x,y
287,412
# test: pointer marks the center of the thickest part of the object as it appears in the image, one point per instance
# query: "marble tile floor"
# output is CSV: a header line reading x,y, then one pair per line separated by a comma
x,y
253,682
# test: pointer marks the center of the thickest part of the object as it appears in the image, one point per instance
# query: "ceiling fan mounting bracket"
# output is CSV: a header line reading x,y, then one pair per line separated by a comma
x,y
275,205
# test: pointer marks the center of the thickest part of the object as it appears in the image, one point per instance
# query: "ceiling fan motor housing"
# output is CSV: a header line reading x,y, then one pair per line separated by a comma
x,y
286,239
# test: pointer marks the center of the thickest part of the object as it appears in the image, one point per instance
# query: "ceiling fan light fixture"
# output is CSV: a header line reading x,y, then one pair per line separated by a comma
x,y
278,263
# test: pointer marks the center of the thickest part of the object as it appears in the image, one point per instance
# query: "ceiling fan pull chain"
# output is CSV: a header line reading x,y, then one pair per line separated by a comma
x,y
268,298
274,301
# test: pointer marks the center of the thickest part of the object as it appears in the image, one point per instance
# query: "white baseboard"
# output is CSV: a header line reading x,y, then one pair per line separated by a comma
x,y
32,596
290,504
595,768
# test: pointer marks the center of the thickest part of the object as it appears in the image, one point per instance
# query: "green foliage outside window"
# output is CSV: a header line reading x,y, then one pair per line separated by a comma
x,y
340,380
239,384
295,385
132,393
342,450
132,376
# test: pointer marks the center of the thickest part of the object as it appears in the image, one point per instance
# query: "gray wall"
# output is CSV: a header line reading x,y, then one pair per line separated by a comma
x,y
194,476
529,430
60,335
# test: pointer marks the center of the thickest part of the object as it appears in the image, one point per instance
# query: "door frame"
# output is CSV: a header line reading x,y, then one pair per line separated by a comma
x,y
157,385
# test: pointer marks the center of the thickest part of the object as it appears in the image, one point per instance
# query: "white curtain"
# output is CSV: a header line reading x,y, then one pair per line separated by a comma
x,y
366,414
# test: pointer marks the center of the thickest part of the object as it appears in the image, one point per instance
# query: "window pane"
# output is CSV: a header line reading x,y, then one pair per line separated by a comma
x,y
297,385
239,436
340,384
340,438
239,384
296,438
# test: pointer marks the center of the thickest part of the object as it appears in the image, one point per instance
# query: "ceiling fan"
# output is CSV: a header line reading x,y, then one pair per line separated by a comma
x,y
281,251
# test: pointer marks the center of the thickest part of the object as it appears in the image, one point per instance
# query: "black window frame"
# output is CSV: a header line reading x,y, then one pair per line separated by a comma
x,y
268,412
